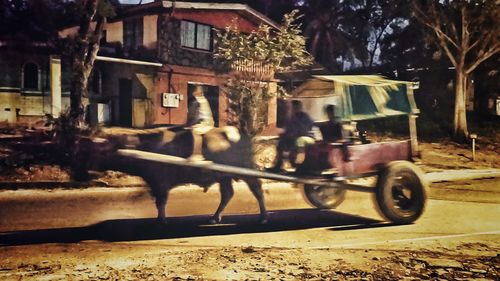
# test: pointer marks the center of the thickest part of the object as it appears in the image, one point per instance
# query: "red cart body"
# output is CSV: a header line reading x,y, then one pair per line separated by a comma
x,y
354,160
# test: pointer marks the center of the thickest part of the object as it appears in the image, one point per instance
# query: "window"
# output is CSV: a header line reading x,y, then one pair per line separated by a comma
x,y
133,33
196,35
30,76
188,30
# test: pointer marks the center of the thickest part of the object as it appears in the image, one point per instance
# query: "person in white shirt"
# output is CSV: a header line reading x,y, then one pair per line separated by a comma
x,y
200,116
200,119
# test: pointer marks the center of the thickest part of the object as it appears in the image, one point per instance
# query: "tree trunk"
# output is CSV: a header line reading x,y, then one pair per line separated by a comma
x,y
85,52
78,92
460,131
87,46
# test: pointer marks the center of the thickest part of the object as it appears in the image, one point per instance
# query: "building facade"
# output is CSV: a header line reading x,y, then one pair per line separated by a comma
x,y
26,86
154,55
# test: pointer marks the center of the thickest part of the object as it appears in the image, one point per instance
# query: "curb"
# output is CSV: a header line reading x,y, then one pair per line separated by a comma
x,y
465,174
57,184
433,177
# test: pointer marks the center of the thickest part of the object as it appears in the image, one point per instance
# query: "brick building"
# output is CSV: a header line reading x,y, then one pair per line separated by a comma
x,y
152,57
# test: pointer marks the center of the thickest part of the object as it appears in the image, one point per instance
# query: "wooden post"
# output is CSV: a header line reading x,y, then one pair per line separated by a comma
x,y
473,149
473,137
412,120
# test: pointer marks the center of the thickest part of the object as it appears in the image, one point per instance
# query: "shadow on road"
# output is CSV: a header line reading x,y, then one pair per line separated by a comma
x,y
190,226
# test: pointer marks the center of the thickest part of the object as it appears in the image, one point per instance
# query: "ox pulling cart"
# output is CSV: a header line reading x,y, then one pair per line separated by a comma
x,y
400,189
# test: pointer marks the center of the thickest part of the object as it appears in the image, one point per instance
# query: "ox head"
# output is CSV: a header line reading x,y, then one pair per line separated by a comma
x,y
91,154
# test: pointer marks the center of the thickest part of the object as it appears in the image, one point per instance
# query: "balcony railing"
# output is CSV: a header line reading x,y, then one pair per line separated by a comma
x,y
252,67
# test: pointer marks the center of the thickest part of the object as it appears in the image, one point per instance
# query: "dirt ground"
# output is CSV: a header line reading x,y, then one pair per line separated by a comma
x,y
106,262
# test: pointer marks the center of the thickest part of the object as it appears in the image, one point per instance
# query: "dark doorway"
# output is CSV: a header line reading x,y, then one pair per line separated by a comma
x,y
212,95
125,102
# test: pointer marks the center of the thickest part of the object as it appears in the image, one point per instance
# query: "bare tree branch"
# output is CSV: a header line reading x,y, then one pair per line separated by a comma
x,y
432,21
486,55
465,31
94,41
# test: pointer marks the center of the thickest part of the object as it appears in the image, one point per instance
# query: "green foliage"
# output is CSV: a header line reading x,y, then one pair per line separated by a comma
x,y
64,131
67,136
250,61
106,9
275,50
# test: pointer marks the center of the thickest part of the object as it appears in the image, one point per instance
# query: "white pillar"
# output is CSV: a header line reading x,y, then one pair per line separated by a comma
x,y
55,85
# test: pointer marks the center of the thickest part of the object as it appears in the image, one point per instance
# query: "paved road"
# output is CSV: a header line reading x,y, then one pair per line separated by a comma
x,y
466,211
110,234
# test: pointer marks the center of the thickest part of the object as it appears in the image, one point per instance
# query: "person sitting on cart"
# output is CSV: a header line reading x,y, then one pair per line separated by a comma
x,y
332,129
298,133
200,120
200,116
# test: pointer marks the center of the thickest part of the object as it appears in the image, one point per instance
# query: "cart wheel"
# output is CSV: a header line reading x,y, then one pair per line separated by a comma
x,y
401,192
323,197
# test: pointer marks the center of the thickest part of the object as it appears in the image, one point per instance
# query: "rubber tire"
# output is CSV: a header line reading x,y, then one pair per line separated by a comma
x,y
309,192
413,178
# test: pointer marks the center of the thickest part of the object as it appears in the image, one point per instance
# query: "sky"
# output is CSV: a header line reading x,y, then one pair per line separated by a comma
x,y
134,1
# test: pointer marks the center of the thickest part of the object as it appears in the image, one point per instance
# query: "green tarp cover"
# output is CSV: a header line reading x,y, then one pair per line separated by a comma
x,y
357,97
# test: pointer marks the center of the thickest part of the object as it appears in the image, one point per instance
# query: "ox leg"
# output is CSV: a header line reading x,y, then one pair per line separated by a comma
x,y
161,204
226,193
256,188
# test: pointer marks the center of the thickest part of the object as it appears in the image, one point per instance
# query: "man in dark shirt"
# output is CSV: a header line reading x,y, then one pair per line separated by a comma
x,y
299,125
332,129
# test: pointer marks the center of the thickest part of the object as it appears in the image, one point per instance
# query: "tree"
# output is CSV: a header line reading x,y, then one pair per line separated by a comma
x,y
378,19
27,21
468,32
83,48
406,47
250,59
329,37
350,31
84,52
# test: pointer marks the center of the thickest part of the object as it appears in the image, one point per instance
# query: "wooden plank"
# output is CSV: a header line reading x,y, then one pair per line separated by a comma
x,y
226,169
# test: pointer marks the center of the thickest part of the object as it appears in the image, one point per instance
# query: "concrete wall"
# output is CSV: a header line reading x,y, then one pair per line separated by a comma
x,y
139,110
70,31
114,32
218,19
8,103
18,104
178,83
150,37
143,90
39,105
